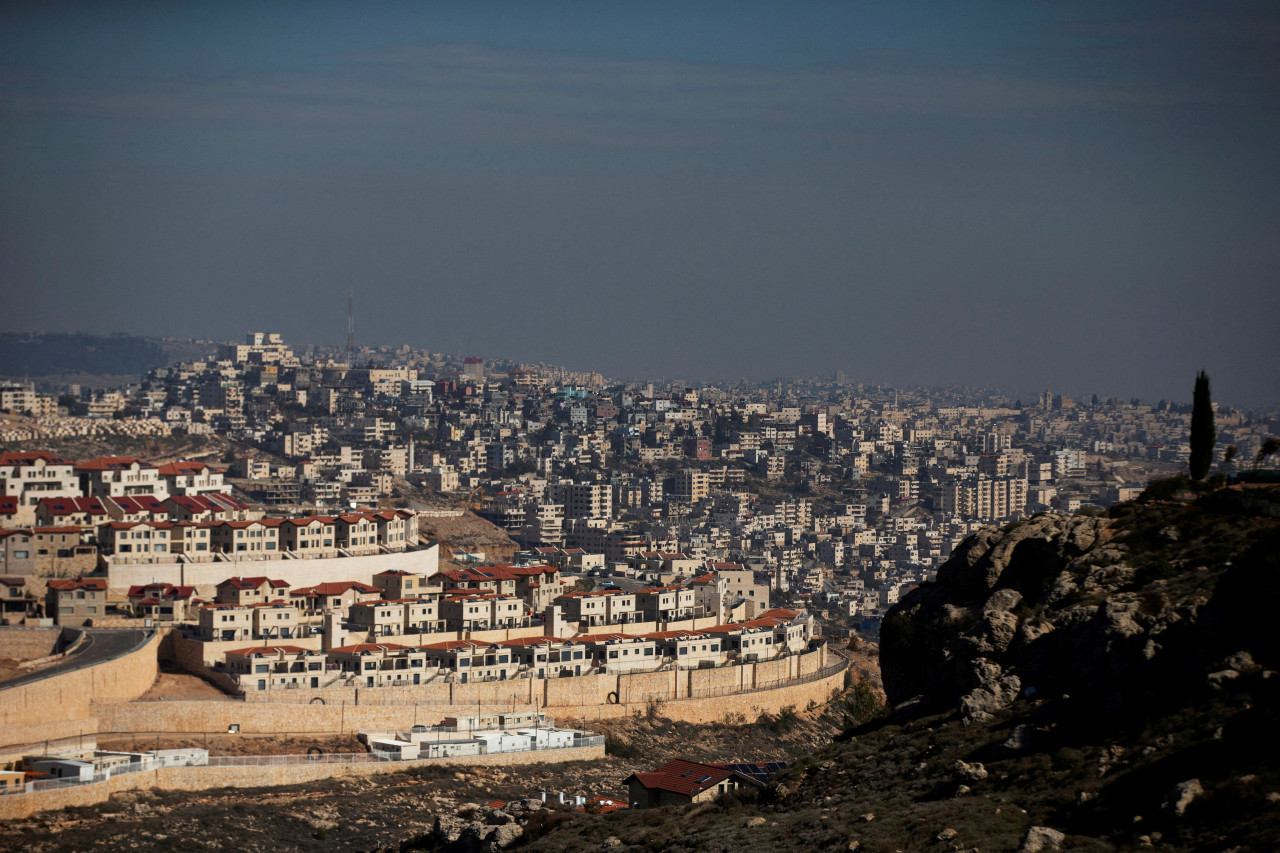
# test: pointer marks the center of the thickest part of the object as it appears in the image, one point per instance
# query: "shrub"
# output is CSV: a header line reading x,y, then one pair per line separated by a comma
x,y
620,748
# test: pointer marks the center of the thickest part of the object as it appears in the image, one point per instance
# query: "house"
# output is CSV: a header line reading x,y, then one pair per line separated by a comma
x,y
665,603
550,657
687,649
260,538
397,584
311,536
136,541
161,601
86,513
334,595
45,551
681,782
255,590
224,622
601,607
76,601
467,660
621,652
481,611
276,667
191,478
110,476
275,620
28,476
207,507
137,508
382,664
13,597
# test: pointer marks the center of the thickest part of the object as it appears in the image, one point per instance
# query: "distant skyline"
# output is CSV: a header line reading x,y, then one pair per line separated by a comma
x,y
1081,196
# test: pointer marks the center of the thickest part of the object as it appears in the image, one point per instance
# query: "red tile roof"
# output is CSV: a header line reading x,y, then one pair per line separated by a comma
x,y
30,457
78,583
684,777
112,463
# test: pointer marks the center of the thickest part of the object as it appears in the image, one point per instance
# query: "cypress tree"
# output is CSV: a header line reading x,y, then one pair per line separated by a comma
x,y
1202,432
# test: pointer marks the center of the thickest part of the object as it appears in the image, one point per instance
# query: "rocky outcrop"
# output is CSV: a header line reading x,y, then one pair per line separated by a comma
x,y
1089,606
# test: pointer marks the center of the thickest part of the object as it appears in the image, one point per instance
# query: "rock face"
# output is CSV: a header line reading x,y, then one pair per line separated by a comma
x,y
1080,605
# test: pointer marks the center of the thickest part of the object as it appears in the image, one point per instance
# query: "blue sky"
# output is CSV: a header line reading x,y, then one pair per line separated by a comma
x,y
1074,195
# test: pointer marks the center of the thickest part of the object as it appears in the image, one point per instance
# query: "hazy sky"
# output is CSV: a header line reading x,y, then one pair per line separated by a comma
x,y
1081,196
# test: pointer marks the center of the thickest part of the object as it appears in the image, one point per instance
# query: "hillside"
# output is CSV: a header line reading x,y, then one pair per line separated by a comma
x,y
1068,683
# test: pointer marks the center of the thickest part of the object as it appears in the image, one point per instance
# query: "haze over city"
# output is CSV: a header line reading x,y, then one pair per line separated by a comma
x,y
1082,196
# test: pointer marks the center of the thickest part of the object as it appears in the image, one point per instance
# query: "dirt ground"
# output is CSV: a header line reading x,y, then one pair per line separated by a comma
x,y
174,684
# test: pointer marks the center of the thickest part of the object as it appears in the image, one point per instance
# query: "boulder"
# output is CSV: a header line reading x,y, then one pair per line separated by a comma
x,y
1182,796
1041,838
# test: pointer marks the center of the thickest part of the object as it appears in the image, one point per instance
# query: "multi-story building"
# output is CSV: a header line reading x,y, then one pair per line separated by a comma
x,y
109,476
75,601
30,476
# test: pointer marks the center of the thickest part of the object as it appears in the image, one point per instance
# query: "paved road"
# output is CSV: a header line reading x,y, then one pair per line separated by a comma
x,y
100,644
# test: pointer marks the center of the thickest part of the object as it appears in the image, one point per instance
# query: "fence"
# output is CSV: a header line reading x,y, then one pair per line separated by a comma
x,y
339,758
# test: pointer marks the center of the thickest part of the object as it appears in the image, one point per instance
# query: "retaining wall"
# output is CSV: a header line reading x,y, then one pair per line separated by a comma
x,y
26,644
68,695
206,576
15,806
576,707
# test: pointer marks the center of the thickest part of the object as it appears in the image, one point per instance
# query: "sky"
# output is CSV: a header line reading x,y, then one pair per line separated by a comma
x,y
1020,195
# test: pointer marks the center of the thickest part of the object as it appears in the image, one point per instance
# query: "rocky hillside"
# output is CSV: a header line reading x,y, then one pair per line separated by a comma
x,y
1156,606
1072,682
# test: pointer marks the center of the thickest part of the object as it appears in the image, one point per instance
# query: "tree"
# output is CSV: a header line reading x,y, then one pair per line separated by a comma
x,y
1202,432
1270,447
1229,456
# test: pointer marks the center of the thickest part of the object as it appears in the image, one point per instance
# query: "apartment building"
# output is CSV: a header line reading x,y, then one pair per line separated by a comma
x,y
665,603
112,476
30,476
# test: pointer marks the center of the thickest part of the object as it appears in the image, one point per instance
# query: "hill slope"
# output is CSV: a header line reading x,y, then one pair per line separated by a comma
x,y
1072,682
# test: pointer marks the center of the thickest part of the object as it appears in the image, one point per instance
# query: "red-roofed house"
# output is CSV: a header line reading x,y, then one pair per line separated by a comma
x,y
334,595
161,601
28,476
112,476
137,508
382,664
191,478
13,515
467,660
85,513
276,667
75,601
681,782
213,507
254,590
45,551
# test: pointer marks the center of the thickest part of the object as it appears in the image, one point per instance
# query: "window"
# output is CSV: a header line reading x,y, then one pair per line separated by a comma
x,y
21,555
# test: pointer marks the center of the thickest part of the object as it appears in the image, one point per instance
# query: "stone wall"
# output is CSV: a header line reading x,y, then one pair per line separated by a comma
x,y
581,699
204,778
68,695
206,576
26,644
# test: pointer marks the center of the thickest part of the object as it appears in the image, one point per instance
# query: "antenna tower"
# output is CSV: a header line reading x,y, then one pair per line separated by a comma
x,y
351,331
